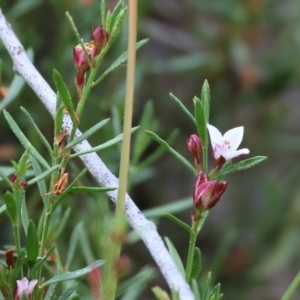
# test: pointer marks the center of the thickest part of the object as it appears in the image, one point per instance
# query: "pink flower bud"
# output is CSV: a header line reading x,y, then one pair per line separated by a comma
x,y
23,184
195,146
206,193
80,61
99,38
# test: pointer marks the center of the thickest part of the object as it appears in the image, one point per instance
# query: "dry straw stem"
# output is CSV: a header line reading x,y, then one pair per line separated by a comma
x,y
146,229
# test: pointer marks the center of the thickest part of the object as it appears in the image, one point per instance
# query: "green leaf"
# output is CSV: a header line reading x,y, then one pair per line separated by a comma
x,y
242,165
119,61
103,11
43,175
41,262
2,208
32,244
197,263
174,254
135,283
181,105
89,189
195,289
24,141
160,294
58,121
178,222
64,94
205,98
73,244
86,134
177,206
63,222
201,121
23,208
68,292
86,246
207,287
114,15
37,130
75,274
50,291
105,145
23,164
19,264
11,207
172,151
5,178
158,152
41,183
117,24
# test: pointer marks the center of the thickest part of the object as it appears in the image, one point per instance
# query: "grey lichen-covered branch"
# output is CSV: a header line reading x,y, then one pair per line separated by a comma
x,y
146,229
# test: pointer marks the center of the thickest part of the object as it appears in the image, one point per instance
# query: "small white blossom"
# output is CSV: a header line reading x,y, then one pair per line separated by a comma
x,y
226,145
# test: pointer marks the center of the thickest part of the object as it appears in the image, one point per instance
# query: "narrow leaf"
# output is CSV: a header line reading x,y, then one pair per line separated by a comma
x,y
172,151
119,61
89,189
205,98
11,207
58,121
19,264
63,93
32,245
43,175
185,110
160,294
105,145
68,292
50,291
197,262
86,134
37,130
41,183
201,121
24,213
195,289
242,165
174,254
207,287
73,244
178,222
114,14
5,178
24,141
75,274
63,222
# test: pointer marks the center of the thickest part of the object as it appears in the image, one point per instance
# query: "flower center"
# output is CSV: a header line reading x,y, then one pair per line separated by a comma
x,y
226,145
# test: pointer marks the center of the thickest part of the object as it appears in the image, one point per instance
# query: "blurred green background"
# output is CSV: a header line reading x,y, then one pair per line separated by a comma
x,y
248,50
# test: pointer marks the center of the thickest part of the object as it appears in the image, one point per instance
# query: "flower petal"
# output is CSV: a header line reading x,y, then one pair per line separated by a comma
x,y
234,136
232,154
31,286
215,135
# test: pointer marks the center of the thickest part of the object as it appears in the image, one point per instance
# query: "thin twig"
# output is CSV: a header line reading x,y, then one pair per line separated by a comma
x,y
146,229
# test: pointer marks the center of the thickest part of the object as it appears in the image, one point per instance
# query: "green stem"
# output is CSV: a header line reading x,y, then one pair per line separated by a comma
x,y
118,228
205,159
290,291
193,238
16,232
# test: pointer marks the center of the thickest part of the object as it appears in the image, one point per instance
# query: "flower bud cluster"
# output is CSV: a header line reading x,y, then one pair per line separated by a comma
x,y
99,38
207,192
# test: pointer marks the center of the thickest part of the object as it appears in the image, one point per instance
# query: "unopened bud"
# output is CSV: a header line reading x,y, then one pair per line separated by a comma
x,y
99,38
23,184
13,177
195,146
206,193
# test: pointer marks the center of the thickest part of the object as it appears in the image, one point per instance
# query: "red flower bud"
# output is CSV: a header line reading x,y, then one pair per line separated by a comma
x,y
195,146
23,184
13,177
99,38
206,193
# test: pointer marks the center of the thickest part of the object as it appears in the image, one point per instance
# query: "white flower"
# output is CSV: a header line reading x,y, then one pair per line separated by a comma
x,y
226,145
24,288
